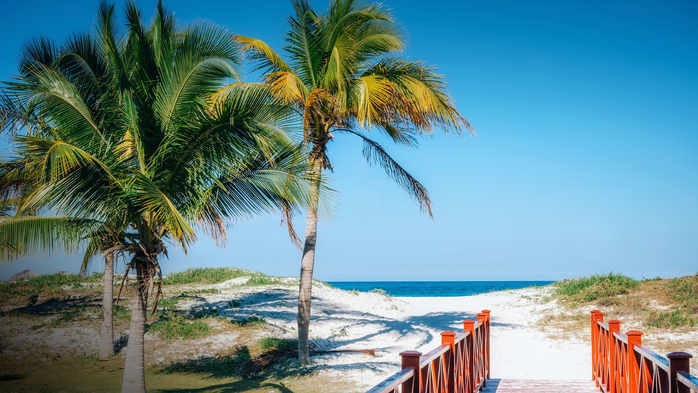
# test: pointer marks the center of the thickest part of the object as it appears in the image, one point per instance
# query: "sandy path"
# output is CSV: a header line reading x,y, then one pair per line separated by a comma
x,y
519,350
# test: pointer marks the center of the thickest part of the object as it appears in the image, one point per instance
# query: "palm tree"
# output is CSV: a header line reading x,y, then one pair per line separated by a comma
x,y
344,74
137,147
14,120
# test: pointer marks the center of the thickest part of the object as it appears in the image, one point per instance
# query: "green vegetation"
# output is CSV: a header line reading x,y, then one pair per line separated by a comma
x,y
684,291
46,285
621,296
208,275
214,367
269,343
252,322
172,326
672,319
594,287
379,291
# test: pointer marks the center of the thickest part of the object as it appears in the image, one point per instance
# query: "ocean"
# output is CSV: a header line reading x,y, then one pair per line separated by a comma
x,y
435,288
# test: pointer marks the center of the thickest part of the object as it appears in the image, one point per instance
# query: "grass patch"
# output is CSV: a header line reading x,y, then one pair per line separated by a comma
x,y
173,326
208,275
684,291
270,343
213,367
594,287
379,291
121,312
50,284
672,319
251,322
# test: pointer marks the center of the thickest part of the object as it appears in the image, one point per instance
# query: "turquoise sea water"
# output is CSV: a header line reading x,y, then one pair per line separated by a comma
x,y
435,288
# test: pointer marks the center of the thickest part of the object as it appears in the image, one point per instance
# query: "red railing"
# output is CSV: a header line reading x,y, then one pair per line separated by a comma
x,y
620,364
460,365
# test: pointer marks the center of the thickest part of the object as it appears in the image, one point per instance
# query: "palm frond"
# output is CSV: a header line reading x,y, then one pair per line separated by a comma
x,y
376,155
261,53
42,236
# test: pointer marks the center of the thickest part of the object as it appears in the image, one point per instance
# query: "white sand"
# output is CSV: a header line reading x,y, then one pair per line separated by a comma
x,y
345,320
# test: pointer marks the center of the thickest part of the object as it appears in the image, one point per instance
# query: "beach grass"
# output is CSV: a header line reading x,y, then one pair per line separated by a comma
x,y
208,275
45,285
595,287
654,303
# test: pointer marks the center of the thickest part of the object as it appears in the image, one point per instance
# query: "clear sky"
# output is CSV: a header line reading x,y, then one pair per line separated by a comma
x,y
586,159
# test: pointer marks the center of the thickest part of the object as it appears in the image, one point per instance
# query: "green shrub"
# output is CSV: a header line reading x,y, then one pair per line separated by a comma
x,y
595,287
379,291
684,290
49,284
271,343
173,326
253,321
121,312
672,319
207,275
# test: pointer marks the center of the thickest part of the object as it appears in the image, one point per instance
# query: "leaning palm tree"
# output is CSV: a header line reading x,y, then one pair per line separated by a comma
x,y
344,74
138,148
14,120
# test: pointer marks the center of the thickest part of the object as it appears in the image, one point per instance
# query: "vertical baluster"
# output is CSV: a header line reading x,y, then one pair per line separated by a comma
x,y
469,326
613,373
634,340
482,317
597,316
594,345
411,359
487,338
449,361
678,361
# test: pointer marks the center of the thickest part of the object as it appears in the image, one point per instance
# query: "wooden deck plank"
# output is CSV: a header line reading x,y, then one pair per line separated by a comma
x,y
537,386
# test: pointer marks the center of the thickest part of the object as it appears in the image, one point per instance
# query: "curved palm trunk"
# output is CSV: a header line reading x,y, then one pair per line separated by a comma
x,y
134,370
106,349
307,264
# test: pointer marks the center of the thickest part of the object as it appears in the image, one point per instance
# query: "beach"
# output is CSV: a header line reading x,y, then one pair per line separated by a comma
x,y
347,320
529,339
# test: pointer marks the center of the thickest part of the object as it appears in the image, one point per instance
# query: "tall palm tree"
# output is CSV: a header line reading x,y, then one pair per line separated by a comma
x,y
137,147
344,74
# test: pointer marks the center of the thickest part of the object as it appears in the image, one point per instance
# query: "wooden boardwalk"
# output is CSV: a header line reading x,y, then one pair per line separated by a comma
x,y
527,385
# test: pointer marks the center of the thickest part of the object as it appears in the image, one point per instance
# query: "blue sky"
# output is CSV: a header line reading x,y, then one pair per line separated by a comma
x,y
586,159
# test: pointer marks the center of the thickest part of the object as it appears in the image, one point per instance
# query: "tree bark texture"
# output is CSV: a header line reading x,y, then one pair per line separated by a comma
x,y
134,369
106,349
307,264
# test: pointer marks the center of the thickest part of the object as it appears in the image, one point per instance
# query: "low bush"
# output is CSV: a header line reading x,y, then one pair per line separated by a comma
x,y
174,326
49,284
672,319
595,287
271,343
208,275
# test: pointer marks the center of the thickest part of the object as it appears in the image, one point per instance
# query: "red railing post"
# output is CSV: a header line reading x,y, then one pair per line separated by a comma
x,y
596,316
678,361
614,374
634,339
411,359
488,342
469,326
482,317
449,338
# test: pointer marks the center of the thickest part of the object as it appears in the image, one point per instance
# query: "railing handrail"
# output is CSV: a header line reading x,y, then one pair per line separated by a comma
x,y
687,380
434,353
460,364
621,364
394,381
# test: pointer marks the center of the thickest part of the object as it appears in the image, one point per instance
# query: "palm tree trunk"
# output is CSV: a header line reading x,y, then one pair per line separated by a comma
x,y
307,264
106,349
134,369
